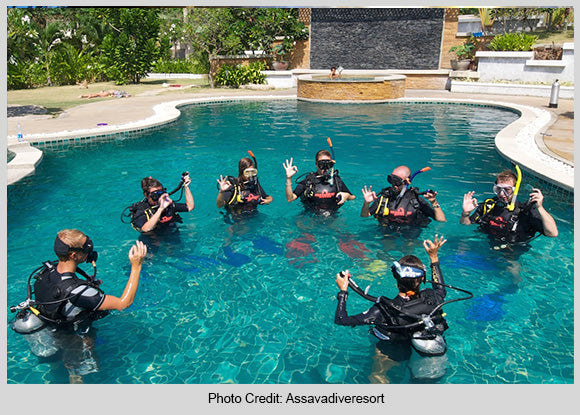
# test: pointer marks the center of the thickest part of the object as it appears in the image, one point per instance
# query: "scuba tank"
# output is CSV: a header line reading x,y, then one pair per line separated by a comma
x,y
37,334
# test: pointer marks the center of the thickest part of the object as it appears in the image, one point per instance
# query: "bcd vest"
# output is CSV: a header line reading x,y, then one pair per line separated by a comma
x,y
405,209
319,193
52,293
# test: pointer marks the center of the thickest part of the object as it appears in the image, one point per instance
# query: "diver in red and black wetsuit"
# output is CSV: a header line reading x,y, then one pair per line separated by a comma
x,y
323,191
401,204
157,210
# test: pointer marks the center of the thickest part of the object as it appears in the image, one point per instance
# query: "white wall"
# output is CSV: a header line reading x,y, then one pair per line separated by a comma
x,y
520,66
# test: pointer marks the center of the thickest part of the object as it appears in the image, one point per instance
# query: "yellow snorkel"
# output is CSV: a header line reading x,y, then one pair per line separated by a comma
x,y
512,204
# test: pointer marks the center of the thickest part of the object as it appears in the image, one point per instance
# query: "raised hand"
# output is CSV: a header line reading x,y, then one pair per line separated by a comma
x,y
290,169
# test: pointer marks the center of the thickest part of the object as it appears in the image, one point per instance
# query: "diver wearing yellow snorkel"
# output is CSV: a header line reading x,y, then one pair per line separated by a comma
x,y
506,219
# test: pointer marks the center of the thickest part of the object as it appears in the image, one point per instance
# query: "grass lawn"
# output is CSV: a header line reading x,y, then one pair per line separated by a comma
x,y
546,38
57,99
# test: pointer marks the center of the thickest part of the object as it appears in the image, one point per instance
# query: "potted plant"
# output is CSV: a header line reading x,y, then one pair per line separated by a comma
x,y
280,52
465,54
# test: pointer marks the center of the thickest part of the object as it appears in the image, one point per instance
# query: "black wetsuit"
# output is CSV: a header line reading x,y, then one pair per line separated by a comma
x,y
515,227
318,195
385,317
142,212
243,199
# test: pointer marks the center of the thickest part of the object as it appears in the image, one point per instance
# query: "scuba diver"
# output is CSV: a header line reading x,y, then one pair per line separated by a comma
x,y
412,321
242,194
323,191
157,211
60,306
400,203
508,221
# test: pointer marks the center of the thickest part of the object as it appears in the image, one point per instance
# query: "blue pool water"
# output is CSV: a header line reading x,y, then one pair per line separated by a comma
x,y
254,302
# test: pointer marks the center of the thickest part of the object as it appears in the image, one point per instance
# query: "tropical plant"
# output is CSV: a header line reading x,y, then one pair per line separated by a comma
x,y
213,31
486,17
131,48
236,75
513,42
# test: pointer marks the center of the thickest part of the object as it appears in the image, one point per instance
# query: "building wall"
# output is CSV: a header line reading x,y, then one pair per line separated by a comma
x,y
376,38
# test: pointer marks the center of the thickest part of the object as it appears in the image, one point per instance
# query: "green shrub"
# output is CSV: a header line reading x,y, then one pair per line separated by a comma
x,y
180,66
513,42
236,75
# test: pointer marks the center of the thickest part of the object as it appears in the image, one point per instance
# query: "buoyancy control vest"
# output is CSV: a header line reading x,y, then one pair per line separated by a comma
x,y
403,208
399,313
52,293
169,215
320,193
243,199
495,219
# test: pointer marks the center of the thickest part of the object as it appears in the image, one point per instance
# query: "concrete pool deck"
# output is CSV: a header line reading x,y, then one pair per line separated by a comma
x,y
541,141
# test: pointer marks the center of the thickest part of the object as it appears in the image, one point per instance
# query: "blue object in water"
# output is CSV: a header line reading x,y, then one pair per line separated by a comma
x,y
234,258
192,264
487,308
469,260
267,245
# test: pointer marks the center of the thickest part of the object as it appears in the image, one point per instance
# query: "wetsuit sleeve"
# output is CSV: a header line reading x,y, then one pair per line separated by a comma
x,y
341,186
534,220
437,276
180,207
474,218
374,206
426,208
372,316
139,219
261,191
227,194
300,188
87,298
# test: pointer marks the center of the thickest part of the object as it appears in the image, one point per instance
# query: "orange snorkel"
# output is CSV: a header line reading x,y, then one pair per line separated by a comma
x,y
424,169
253,158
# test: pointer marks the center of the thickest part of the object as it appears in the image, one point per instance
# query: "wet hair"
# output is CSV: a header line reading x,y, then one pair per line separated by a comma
x,y
505,176
410,284
243,164
148,183
323,153
73,238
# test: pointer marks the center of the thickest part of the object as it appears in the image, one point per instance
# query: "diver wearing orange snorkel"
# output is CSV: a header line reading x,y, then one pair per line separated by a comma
x,y
400,203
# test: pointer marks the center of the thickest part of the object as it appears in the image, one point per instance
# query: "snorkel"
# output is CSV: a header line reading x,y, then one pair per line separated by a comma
x,y
512,204
252,180
180,185
424,169
331,181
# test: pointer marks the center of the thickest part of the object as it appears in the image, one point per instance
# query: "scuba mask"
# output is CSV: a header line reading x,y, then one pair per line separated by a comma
x,y
156,194
251,176
62,249
406,271
506,188
396,180
325,165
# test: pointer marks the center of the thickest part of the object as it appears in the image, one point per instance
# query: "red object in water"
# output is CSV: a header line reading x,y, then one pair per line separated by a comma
x,y
354,249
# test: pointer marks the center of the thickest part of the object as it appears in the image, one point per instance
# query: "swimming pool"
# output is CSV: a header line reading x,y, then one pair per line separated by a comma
x,y
239,303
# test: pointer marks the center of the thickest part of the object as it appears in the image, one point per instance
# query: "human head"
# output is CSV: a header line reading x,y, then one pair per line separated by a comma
x,y
150,185
243,164
398,174
409,284
74,245
505,183
322,155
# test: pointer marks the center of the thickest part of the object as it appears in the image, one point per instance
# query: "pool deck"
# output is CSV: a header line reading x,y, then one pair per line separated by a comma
x,y
542,140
